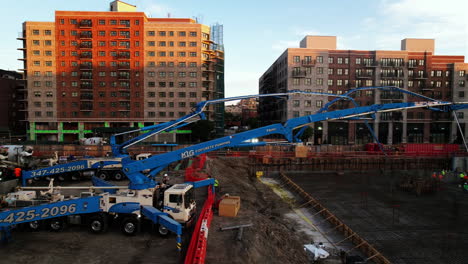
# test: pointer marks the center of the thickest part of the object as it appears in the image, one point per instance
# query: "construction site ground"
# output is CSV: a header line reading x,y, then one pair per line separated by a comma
x,y
403,226
272,238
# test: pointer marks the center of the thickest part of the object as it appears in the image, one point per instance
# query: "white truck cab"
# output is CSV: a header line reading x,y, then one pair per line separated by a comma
x,y
179,202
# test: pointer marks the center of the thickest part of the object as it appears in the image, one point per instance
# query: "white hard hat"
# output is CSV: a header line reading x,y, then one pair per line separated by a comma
x,y
165,175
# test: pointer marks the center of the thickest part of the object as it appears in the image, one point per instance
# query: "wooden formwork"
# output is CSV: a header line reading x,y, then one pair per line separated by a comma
x,y
360,243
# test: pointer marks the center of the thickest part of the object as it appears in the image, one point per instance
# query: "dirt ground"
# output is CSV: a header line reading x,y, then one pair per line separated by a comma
x,y
272,238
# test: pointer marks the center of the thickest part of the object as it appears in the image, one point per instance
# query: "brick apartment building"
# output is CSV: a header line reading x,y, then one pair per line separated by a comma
x,y
318,66
12,105
88,70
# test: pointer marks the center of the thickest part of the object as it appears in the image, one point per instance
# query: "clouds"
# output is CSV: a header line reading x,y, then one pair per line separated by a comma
x,y
157,10
443,20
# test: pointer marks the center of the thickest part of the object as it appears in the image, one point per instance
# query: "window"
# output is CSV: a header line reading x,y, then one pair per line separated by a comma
x,y
48,84
339,82
307,81
319,103
49,94
182,84
330,60
346,60
439,73
192,84
461,73
102,53
193,44
319,81
319,59
47,32
330,71
461,94
182,33
339,61
48,42
296,59
162,33
35,31
358,60
461,83
421,62
193,94
37,84
182,54
330,82
296,81
192,54
339,71
296,103
37,114
36,42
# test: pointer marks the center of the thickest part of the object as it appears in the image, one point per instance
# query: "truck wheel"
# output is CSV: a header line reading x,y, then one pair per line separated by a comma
x,y
163,231
57,224
61,177
129,226
98,224
75,176
118,176
34,226
102,175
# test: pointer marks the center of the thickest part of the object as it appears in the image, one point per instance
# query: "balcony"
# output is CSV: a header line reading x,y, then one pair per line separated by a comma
x,y
86,86
86,97
391,75
85,24
298,74
85,35
125,76
308,63
86,56
86,67
364,76
122,57
86,77
420,76
85,46
89,108
123,67
370,64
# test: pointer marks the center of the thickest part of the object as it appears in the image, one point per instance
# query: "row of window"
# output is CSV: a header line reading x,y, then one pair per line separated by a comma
x,y
164,114
171,54
171,74
171,104
171,44
358,61
38,53
36,42
172,64
47,104
307,103
101,114
171,33
48,114
88,22
46,32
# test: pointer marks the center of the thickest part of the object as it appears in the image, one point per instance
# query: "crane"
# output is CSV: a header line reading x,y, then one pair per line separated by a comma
x,y
172,208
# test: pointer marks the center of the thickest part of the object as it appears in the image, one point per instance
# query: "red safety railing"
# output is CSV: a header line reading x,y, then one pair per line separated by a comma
x,y
196,252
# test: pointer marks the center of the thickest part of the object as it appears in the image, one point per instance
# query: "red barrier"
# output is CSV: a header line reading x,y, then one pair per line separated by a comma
x,y
196,252
193,173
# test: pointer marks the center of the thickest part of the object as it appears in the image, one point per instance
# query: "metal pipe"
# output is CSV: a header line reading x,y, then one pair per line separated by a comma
x,y
460,129
234,227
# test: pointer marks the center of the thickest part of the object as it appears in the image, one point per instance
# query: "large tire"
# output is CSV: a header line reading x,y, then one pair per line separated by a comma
x,y
98,224
34,226
163,231
129,226
56,224
118,176
102,175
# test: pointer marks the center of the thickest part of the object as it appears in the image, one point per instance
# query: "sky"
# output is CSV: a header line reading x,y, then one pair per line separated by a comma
x,y
257,32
